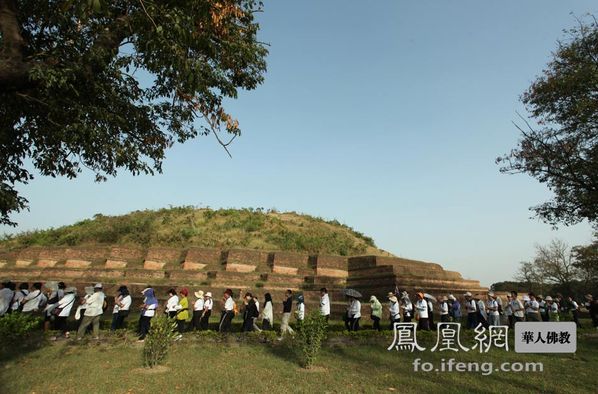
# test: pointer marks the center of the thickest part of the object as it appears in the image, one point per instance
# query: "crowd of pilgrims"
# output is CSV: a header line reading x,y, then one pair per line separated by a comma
x,y
55,302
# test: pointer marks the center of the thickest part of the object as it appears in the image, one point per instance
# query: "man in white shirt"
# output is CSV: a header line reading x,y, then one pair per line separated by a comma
x,y
19,296
517,308
532,308
492,310
324,303
31,302
472,311
6,296
93,312
421,307
574,311
444,309
228,307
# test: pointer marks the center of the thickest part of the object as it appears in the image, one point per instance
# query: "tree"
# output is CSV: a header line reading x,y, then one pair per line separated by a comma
x,y
112,84
563,151
528,275
554,264
586,262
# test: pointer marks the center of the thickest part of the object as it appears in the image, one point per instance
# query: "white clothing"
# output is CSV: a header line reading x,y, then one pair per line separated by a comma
x,y
408,309
19,295
325,305
470,306
208,304
482,308
198,306
150,310
6,295
354,309
532,307
125,303
301,311
66,304
267,313
492,307
444,308
172,303
116,308
229,304
32,301
94,303
422,309
517,308
394,310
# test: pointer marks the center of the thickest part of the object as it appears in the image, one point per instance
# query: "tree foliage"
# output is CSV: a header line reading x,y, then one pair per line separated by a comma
x,y
112,84
586,263
562,151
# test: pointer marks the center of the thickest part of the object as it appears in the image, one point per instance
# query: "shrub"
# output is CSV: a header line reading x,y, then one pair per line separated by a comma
x,y
310,334
16,328
158,341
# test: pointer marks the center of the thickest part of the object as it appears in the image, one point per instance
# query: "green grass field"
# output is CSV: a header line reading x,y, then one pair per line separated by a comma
x,y
208,362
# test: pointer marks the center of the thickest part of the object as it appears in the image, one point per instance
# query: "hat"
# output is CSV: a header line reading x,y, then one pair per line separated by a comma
x,y
468,294
548,298
526,298
199,294
540,296
452,297
390,294
491,294
392,298
420,294
209,294
98,286
70,290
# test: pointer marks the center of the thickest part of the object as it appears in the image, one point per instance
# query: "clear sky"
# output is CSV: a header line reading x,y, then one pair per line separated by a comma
x,y
385,115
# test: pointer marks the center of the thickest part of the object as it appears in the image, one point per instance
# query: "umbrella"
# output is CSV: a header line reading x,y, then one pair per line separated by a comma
x,y
352,293
429,297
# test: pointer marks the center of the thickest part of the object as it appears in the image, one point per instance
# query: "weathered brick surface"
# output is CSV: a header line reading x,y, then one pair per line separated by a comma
x,y
74,263
164,255
46,263
207,256
120,253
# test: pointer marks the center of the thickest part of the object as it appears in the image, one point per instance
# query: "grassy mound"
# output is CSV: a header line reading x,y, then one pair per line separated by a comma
x,y
205,227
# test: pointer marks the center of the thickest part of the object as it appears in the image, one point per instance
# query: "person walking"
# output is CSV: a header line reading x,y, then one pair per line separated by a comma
x,y
324,303
6,295
574,311
455,308
267,313
517,308
63,310
354,313
124,307
228,311
394,311
148,311
17,302
443,307
182,311
208,304
300,312
421,308
171,304
553,309
472,311
287,306
376,312
532,307
249,313
93,312
492,310
31,302
198,309
407,307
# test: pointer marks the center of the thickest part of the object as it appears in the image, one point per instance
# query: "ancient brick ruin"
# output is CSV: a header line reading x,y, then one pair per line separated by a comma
x,y
239,269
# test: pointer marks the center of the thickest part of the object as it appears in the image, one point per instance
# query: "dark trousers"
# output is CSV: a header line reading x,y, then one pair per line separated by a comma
x,y
423,324
60,324
575,314
120,319
197,319
511,321
266,325
393,321
444,318
181,325
472,320
354,324
376,321
247,325
407,319
225,321
144,326
114,324
205,319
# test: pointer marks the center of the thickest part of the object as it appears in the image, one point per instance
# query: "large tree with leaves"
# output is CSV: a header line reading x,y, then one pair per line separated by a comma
x,y
112,84
562,149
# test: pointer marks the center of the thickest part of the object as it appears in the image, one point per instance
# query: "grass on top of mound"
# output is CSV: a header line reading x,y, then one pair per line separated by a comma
x,y
208,362
205,227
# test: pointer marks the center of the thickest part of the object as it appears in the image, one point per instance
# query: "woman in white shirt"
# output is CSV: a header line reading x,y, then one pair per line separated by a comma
x,y
421,307
394,313
228,311
32,300
354,314
123,302
171,304
198,309
267,313
63,310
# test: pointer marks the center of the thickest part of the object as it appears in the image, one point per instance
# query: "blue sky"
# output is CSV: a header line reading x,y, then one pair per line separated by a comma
x,y
385,115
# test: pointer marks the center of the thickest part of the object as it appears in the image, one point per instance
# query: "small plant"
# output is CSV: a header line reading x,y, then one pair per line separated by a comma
x,y
15,328
259,285
310,334
158,341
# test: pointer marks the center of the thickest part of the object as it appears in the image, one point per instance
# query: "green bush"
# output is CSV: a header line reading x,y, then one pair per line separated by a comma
x,y
158,341
310,334
16,328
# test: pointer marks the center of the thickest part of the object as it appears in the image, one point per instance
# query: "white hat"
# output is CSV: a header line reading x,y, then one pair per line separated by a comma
x,y
199,294
526,298
451,297
491,293
98,286
548,298
468,294
208,294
